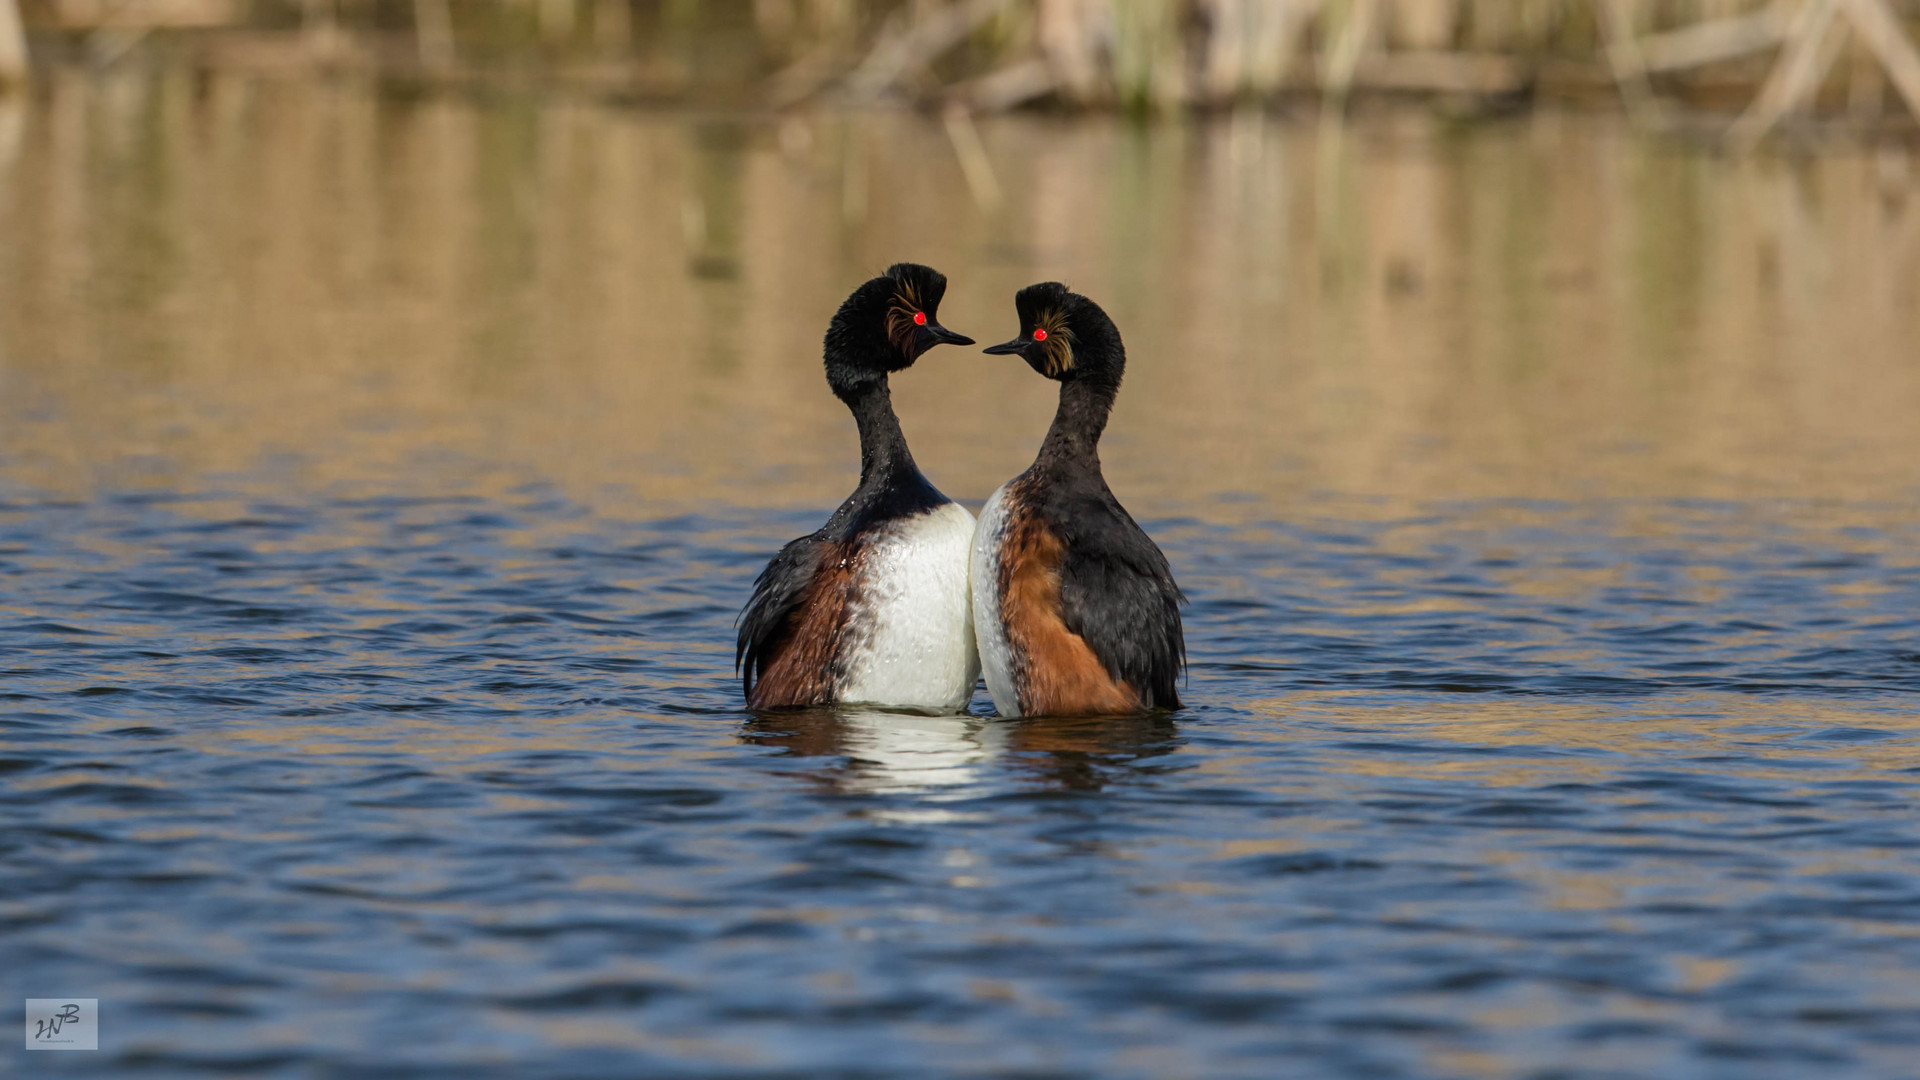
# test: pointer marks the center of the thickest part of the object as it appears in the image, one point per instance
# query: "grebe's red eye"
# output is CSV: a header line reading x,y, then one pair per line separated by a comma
x,y
1039,335
919,318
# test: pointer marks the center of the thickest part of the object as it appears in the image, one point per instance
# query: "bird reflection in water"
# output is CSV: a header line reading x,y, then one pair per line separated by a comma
x,y
885,752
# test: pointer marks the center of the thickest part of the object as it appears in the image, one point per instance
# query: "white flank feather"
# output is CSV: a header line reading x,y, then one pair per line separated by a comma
x,y
911,625
996,653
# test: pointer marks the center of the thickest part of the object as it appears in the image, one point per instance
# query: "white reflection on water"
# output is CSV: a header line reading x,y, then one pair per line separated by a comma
x,y
903,752
949,758
877,752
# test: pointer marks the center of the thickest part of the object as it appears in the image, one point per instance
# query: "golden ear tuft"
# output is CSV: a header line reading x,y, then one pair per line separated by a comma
x,y
1058,346
900,324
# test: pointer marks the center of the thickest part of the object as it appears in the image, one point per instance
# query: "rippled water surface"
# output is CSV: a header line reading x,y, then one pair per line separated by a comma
x,y
379,480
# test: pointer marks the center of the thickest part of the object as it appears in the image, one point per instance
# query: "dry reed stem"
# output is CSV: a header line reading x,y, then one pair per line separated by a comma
x,y
1794,76
918,45
1890,45
1629,68
1344,57
13,46
1008,87
1715,41
805,77
1066,36
1866,83
975,165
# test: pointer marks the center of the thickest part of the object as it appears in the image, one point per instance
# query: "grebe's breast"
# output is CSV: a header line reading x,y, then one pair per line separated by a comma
x,y
908,638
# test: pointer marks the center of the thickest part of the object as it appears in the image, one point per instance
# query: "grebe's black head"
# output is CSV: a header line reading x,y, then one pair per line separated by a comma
x,y
1065,336
885,325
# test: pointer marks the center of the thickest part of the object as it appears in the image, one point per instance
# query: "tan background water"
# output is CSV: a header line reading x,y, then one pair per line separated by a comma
x,y
213,277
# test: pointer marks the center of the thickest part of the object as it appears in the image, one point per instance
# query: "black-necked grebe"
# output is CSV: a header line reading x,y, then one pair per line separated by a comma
x,y
1076,610
873,608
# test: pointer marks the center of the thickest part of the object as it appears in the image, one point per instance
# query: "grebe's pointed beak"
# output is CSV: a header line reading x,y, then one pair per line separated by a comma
x,y
1010,348
947,337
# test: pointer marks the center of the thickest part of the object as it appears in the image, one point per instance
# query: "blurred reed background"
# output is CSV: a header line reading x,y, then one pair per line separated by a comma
x,y
1688,63
304,285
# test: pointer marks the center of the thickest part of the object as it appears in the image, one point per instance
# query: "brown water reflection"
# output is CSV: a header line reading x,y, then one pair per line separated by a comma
x,y
204,278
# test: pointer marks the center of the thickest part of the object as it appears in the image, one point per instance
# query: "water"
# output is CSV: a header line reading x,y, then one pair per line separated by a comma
x,y
379,479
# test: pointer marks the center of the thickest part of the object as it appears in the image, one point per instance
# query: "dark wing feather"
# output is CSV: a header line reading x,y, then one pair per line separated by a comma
x,y
1117,592
767,621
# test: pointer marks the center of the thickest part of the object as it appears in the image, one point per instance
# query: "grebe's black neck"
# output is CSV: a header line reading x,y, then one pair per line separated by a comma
x,y
891,485
1079,421
884,456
